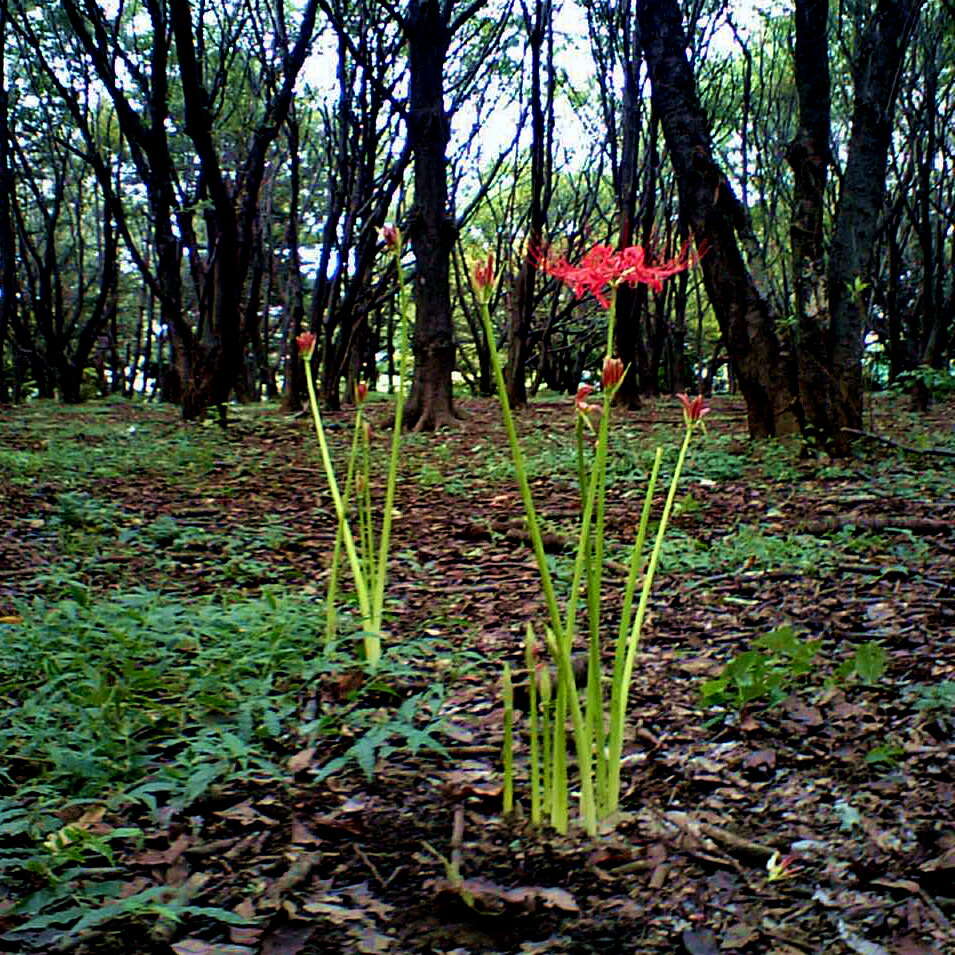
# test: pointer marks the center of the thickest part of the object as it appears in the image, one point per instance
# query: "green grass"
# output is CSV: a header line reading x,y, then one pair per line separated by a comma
x,y
142,703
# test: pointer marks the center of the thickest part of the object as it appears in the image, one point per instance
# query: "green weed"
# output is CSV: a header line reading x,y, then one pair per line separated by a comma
x,y
776,663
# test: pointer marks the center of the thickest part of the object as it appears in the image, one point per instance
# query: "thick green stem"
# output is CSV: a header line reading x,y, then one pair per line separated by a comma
x,y
533,722
530,512
331,595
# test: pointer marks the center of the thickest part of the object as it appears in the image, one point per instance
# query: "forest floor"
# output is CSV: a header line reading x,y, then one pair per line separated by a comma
x,y
186,769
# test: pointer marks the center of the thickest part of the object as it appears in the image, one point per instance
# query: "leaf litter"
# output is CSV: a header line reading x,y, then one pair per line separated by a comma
x,y
819,822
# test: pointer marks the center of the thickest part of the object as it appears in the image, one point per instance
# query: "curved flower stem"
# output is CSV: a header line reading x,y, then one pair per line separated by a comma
x,y
520,471
350,550
331,595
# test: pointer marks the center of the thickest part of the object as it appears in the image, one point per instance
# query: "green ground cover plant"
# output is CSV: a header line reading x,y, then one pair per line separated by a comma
x,y
144,703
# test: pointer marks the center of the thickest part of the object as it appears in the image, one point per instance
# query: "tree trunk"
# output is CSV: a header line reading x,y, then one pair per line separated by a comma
x,y
539,30
809,156
294,385
715,217
8,272
431,228
631,302
881,52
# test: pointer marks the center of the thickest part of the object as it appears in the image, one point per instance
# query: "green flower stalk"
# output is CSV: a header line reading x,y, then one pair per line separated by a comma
x,y
367,559
507,747
597,724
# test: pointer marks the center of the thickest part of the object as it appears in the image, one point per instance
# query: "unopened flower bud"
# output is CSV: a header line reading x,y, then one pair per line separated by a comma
x,y
693,409
612,373
580,400
483,277
361,392
306,344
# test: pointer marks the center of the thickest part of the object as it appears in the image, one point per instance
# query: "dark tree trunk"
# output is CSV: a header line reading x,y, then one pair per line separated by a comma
x,y
881,52
294,386
809,156
539,32
631,302
70,368
431,227
715,217
8,271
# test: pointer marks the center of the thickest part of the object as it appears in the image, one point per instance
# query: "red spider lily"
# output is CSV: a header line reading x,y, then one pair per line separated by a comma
x,y
483,274
361,392
612,372
306,344
390,235
693,409
603,268
580,400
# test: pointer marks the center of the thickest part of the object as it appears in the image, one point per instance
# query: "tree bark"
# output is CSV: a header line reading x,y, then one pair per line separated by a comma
x,y
8,271
809,156
631,302
716,218
431,228
881,52
539,31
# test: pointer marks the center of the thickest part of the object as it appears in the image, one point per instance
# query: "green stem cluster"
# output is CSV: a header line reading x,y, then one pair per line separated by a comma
x,y
597,723
367,558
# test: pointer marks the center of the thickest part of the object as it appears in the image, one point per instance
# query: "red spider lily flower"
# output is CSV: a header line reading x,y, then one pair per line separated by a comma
x,y
595,274
580,400
361,392
693,409
603,268
390,235
612,373
306,344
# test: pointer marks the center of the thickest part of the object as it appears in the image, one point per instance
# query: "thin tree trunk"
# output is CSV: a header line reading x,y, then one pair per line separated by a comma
x,y
8,272
714,215
431,228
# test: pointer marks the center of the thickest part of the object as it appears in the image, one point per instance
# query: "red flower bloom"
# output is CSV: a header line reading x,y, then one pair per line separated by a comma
x,y
597,271
603,268
693,409
306,344
612,372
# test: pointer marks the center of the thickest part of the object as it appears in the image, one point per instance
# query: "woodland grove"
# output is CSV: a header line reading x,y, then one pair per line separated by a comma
x,y
187,186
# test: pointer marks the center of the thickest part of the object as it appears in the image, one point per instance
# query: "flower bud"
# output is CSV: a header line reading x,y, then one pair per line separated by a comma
x,y
306,344
483,274
693,409
361,392
580,400
612,373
